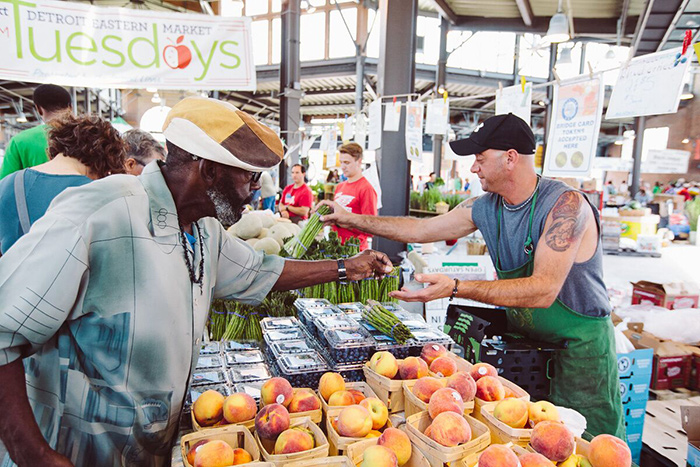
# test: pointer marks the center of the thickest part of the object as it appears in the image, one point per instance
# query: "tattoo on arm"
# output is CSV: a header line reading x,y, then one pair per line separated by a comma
x,y
568,222
468,204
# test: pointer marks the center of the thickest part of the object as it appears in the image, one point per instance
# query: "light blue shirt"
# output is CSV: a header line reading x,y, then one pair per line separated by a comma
x,y
99,294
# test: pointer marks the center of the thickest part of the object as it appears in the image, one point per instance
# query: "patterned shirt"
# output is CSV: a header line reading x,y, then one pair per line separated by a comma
x,y
99,294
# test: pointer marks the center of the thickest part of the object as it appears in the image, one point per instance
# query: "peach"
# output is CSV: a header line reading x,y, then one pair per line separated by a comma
x,y
241,456
576,460
215,453
498,455
304,400
542,410
378,410
489,388
330,383
379,456
464,384
413,368
533,459
193,450
432,351
512,412
208,408
239,407
341,398
553,440
425,387
357,395
291,441
272,420
397,441
354,421
609,451
373,434
510,392
450,429
276,391
445,400
443,366
483,369
384,363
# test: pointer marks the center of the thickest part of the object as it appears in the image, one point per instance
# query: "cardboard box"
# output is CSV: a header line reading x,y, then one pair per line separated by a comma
x,y
671,295
634,212
690,417
633,226
648,243
695,368
671,360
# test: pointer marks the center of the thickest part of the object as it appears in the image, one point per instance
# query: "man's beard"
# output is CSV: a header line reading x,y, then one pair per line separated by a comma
x,y
228,204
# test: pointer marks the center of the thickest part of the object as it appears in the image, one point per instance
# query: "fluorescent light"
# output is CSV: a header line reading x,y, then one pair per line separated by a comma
x,y
685,140
558,29
541,104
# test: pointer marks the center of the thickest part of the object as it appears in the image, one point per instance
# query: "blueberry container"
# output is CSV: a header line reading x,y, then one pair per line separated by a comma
x,y
252,388
210,348
196,391
307,317
326,323
246,373
241,345
279,324
348,345
207,362
384,343
310,303
200,378
424,337
351,373
352,307
283,335
287,347
302,370
246,357
393,307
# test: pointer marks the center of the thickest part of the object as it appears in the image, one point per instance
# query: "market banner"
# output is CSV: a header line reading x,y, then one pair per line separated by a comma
x,y
649,85
374,128
392,116
414,130
666,161
437,116
72,44
577,109
516,100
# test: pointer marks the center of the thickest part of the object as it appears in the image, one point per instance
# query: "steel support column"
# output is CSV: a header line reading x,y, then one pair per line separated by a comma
x,y
440,74
550,96
290,87
639,126
396,72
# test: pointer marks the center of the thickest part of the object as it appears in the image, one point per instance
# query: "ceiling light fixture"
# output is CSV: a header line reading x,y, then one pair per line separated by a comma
x,y
685,140
564,57
558,28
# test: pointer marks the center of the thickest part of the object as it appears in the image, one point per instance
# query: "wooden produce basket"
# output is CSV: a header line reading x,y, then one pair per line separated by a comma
x,y
389,391
279,460
480,403
356,451
236,436
583,447
502,433
333,461
413,405
339,444
250,424
438,454
361,386
315,415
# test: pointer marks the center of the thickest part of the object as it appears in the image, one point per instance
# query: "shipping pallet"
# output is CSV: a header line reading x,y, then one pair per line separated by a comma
x,y
665,442
639,254
672,394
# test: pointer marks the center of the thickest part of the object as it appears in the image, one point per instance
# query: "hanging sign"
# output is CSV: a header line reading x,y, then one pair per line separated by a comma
x,y
666,161
516,100
71,44
374,128
573,136
392,116
414,130
361,130
649,85
348,129
437,116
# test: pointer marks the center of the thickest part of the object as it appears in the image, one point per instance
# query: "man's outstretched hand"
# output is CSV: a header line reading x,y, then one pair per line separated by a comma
x,y
369,263
340,216
439,286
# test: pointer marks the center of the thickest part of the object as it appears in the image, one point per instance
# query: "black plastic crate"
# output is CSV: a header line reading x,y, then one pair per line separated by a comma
x,y
525,362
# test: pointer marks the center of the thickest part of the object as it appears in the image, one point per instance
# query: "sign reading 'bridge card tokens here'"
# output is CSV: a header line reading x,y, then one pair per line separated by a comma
x,y
573,134
72,44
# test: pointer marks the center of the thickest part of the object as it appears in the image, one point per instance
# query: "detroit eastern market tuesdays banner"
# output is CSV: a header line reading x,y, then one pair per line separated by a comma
x,y
79,45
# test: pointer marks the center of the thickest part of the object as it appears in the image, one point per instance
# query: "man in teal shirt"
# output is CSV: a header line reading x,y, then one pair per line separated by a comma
x,y
29,148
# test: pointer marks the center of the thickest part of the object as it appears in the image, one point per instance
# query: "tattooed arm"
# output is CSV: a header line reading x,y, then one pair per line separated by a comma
x,y
455,224
568,224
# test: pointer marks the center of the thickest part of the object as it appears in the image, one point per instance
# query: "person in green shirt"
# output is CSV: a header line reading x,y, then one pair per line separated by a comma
x,y
657,188
29,148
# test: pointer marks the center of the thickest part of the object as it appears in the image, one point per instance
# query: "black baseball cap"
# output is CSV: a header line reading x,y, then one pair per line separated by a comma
x,y
502,132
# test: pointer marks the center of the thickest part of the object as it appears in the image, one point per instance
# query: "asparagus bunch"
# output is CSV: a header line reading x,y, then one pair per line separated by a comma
x,y
386,322
299,245
390,283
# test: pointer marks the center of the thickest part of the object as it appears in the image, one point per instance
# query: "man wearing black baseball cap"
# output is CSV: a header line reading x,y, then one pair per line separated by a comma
x,y
543,238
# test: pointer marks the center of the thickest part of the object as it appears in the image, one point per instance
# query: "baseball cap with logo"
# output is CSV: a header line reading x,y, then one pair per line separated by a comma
x,y
501,132
218,131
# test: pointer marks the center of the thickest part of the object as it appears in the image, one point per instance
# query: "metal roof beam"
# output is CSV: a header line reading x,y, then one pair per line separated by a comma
x,y
540,24
525,11
446,11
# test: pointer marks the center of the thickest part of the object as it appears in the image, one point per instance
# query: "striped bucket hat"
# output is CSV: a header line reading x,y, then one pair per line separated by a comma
x,y
218,131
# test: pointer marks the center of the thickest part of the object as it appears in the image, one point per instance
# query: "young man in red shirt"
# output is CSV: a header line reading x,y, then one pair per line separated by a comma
x,y
356,194
297,198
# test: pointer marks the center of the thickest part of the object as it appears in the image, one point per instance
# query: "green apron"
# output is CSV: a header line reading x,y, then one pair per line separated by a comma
x,y
584,375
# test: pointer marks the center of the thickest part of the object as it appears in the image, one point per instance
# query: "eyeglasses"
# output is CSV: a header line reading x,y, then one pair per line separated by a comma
x,y
255,177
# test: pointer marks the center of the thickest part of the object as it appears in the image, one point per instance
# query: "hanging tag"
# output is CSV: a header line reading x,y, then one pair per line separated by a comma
x,y
522,83
686,41
444,95
590,69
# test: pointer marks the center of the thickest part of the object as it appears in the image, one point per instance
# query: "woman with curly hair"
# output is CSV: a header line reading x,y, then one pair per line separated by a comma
x,y
81,149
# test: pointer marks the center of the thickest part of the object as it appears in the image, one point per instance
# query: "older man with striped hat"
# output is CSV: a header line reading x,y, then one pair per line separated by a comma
x,y
104,302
